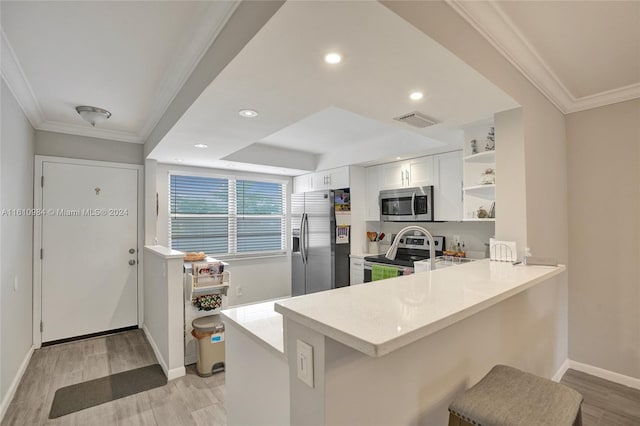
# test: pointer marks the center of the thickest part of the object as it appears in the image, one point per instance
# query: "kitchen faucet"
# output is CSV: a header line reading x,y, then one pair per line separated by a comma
x,y
393,250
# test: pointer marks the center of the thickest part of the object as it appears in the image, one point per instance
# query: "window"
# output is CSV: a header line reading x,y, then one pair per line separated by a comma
x,y
226,216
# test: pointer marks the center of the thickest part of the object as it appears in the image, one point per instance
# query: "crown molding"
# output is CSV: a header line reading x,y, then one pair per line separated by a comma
x,y
18,84
609,97
194,45
495,26
87,130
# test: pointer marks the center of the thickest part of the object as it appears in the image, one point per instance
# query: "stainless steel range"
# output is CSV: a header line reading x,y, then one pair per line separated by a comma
x,y
411,249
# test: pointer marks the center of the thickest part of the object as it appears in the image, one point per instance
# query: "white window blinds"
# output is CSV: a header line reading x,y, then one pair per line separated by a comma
x,y
226,216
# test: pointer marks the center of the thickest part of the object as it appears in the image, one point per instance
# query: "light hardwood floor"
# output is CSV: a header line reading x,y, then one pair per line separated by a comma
x,y
189,400
194,401
605,403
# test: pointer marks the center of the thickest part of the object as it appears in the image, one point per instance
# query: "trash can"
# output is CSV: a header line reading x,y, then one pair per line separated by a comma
x,y
209,331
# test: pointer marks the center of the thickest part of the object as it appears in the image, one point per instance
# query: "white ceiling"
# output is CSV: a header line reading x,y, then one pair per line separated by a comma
x,y
580,54
340,114
128,57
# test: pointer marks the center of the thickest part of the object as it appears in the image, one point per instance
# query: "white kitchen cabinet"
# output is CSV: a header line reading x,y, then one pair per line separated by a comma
x,y
337,178
302,183
394,175
447,196
356,272
421,171
373,180
416,172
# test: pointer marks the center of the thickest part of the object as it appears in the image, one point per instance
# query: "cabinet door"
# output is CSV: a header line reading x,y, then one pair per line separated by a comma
x,y
448,188
373,175
302,183
319,180
338,178
356,272
394,175
421,171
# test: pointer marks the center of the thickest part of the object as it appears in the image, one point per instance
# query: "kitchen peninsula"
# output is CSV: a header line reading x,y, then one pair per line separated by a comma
x,y
395,351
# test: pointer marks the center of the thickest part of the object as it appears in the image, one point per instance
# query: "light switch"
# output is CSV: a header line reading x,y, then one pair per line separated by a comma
x,y
304,359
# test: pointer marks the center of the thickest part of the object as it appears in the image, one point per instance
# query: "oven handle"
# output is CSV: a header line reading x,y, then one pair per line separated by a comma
x,y
413,204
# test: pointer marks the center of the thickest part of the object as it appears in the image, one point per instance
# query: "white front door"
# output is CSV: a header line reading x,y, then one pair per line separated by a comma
x,y
88,230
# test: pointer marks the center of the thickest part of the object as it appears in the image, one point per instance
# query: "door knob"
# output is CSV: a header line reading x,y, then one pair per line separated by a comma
x,y
132,262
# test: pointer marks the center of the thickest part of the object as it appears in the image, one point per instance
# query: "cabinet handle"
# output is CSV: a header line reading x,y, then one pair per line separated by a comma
x,y
402,176
407,172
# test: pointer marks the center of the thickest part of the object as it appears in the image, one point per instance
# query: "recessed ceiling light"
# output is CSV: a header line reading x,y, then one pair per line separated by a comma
x,y
398,158
333,58
416,96
201,146
248,113
179,160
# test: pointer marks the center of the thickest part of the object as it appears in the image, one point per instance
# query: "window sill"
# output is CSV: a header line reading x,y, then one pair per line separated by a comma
x,y
252,256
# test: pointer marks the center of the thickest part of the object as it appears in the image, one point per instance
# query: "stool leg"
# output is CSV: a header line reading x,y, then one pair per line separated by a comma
x,y
578,420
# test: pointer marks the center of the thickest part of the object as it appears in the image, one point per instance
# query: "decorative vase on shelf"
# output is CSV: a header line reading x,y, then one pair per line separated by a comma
x,y
491,140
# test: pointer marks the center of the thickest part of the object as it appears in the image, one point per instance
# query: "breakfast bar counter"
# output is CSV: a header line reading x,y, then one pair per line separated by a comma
x,y
382,316
395,351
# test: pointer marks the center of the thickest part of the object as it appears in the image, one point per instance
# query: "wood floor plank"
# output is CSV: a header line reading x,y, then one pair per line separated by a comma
x,y
605,403
213,415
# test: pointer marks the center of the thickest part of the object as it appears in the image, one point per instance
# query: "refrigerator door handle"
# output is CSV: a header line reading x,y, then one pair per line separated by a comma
x,y
306,239
302,239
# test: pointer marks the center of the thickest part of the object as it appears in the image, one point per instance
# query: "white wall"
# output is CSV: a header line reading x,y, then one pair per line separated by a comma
x,y
87,148
16,192
164,308
256,278
604,237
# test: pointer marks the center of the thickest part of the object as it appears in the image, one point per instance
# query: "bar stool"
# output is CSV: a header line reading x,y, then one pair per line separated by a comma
x,y
510,397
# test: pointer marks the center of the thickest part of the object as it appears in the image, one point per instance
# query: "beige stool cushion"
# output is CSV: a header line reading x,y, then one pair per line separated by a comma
x,y
510,397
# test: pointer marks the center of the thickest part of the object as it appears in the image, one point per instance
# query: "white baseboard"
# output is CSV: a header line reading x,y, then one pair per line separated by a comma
x,y
156,350
612,376
11,392
174,373
563,369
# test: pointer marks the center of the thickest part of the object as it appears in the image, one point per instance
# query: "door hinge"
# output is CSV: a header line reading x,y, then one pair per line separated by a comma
x,y
41,181
41,326
41,253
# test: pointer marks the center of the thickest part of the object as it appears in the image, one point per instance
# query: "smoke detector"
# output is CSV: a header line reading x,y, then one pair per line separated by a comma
x,y
416,119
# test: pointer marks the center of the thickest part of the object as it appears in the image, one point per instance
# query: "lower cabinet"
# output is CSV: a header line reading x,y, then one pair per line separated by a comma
x,y
356,271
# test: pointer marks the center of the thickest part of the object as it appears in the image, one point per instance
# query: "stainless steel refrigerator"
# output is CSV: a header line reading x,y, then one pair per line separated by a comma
x,y
317,263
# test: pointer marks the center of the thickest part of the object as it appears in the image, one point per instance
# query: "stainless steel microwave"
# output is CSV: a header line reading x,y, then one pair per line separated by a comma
x,y
407,204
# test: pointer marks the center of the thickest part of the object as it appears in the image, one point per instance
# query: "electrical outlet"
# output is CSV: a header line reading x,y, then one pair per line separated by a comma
x,y
456,239
304,361
239,291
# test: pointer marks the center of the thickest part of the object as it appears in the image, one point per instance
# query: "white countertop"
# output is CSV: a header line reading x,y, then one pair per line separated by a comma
x,y
259,320
380,317
165,252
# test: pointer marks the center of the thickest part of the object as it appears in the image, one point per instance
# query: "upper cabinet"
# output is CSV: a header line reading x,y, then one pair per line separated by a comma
x,y
327,179
373,185
405,174
447,197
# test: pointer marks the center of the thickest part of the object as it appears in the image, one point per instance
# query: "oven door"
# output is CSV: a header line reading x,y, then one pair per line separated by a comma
x,y
368,268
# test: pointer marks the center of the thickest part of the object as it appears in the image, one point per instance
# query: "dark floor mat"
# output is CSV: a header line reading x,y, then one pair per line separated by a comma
x,y
83,395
